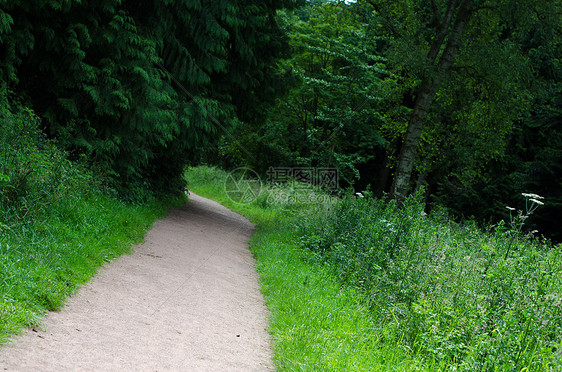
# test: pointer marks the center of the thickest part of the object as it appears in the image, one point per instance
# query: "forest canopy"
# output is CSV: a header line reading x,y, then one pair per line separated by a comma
x,y
141,88
460,99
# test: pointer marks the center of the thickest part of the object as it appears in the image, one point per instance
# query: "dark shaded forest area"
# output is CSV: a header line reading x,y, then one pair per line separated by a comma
x,y
461,99
140,87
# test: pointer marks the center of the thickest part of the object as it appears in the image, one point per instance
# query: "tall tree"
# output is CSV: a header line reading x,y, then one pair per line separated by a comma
x,y
472,139
445,30
331,116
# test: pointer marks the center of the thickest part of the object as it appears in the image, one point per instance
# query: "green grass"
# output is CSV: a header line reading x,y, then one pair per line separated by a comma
x,y
456,296
316,324
45,261
359,284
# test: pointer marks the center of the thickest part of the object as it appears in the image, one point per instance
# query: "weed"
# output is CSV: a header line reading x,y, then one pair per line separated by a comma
x,y
452,295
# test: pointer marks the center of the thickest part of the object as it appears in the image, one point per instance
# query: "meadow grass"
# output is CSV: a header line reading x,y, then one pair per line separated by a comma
x,y
360,284
456,296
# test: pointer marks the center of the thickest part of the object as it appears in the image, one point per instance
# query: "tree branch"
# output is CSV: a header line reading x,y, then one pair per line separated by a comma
x,y
443,29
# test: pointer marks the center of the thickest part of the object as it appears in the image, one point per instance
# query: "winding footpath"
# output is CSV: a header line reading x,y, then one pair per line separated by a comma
x,y
187,299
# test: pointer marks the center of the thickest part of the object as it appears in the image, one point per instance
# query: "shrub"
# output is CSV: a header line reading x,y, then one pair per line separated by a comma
x,y
34,173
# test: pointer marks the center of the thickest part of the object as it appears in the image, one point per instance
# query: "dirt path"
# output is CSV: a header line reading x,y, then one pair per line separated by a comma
x,y
186,300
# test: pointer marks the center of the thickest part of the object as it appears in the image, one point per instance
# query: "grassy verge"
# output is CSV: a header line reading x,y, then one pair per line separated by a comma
x,y
363,285
316,323
57,225
44,262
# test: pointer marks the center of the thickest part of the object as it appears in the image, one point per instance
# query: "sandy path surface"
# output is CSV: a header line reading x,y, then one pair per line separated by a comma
x,y
186,300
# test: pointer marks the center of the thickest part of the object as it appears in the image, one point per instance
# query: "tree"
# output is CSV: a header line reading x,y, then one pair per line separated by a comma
x,y
428,37
445,32
331,115
529,159
467,145
141,87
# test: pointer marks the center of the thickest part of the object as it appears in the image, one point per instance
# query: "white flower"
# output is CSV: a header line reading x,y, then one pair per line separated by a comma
x,y
536,201
533,196
511,209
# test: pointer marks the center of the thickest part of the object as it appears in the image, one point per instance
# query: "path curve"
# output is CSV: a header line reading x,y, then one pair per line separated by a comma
x,y
187,299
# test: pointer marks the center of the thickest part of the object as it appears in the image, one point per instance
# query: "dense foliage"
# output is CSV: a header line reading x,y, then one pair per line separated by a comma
x,y
141,87
333,111
491,129
452,295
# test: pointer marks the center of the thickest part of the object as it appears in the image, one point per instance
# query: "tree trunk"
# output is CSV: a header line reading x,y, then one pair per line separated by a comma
x,y
428,89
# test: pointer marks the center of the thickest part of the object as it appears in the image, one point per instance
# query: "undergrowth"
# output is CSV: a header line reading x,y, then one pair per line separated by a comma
x,y
360,284
57,222
455,296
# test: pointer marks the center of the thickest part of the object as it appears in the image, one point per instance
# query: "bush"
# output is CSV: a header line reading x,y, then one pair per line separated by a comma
x,y
34,173
454,295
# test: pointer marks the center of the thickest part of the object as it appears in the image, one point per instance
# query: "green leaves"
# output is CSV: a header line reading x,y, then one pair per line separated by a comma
x,y
331,114
6,23
132,85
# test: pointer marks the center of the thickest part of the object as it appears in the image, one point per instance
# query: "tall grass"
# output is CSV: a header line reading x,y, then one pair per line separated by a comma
x,y
57,223
454,296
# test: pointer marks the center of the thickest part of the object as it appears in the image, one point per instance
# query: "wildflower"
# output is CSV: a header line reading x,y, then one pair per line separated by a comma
x,y
509,208
532,196
535,202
